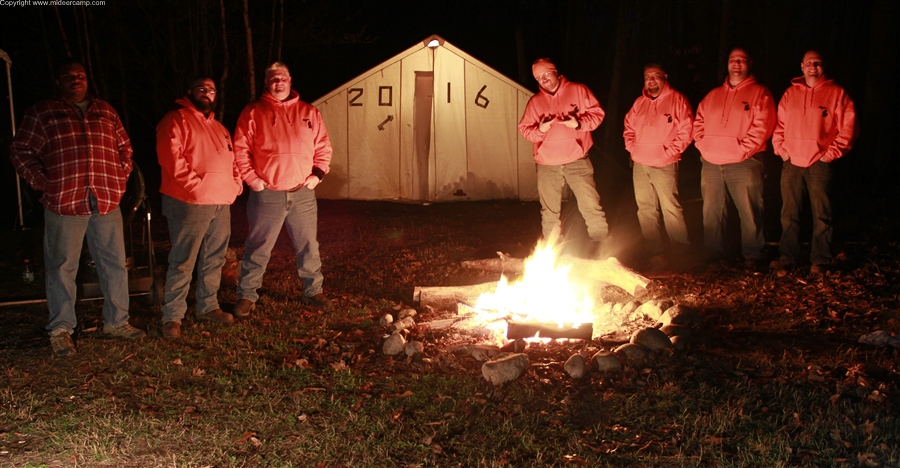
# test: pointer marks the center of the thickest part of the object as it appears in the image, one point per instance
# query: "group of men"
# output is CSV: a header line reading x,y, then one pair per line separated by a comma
x,y
814,124
75,150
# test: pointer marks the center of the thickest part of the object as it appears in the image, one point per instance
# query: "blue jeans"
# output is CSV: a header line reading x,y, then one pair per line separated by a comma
x,y
656,194
199,235
63,240
817,179
743,182
579,175
267,212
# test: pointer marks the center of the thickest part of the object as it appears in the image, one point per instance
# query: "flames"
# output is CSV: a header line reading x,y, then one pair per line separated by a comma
x,y
545,293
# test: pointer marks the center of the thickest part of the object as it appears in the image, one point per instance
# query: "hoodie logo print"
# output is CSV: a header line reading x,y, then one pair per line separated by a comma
x,y
308,123
746,105
669,119
824,111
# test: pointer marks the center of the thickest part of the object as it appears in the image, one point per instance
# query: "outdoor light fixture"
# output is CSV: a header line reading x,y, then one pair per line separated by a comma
x,y
434,41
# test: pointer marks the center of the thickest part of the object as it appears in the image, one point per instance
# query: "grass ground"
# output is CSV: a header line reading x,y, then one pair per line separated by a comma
x,y
775,377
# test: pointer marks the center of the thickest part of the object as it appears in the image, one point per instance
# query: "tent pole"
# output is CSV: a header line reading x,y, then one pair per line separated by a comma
x,y
12,120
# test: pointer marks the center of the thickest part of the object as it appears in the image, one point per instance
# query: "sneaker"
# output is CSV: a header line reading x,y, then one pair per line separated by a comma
x,y
171,331
243,308
319,301
216,316
818,269
125,331
61,343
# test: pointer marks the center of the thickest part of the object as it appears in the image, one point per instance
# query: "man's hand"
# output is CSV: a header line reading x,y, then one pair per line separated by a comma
x,y
785,156
257,185
571,121
312,181
544,126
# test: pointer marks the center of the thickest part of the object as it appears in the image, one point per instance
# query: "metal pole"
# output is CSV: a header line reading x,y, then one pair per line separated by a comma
x,y
12,121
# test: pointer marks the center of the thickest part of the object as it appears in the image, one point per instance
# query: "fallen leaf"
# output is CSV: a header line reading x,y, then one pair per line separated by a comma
x,y
244,438
339,366
177,362
198,372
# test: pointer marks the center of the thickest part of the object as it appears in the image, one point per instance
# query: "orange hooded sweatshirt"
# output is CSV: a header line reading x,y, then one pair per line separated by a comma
x,y
281,142
561,144
734,123
658,130
195,154
815,123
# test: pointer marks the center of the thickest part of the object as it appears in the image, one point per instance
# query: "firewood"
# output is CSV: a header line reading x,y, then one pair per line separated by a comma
x,y
447,296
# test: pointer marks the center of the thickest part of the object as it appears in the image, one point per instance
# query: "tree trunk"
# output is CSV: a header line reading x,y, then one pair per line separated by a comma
x,y
225,64
250,68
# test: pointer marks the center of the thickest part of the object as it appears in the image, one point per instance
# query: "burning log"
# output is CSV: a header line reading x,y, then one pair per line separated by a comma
x,y
444,296
516,330
609,271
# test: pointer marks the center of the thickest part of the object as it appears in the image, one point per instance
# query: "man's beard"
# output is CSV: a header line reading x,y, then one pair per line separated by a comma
x,y
202,105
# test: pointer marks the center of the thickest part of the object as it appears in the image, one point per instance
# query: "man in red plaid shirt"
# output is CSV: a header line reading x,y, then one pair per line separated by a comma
x,y
75,150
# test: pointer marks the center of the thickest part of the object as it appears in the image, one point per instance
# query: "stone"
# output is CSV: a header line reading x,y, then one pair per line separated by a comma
x,y
414,347
673,330
394,344
606,361
576,366
386,320
630,307
408,322
505,369
681,315
652,339
634,355
485,352
651,310
406,313
679,342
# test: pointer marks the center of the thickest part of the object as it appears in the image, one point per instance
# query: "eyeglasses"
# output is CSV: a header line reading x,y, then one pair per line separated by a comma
x,y
545,75
812,64
738,60
205,90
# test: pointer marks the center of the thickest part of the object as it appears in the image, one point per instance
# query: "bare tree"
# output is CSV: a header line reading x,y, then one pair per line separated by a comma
x,y
225,62
250,68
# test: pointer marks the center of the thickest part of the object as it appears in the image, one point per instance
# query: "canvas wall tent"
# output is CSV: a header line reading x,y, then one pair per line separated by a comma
x,y
430,124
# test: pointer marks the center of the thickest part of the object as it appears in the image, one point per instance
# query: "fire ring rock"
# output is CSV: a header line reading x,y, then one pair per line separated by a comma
x,y
676,330
505,369
414,347
651,309
634,355
652,339
606,361
576,366
681,315
394,344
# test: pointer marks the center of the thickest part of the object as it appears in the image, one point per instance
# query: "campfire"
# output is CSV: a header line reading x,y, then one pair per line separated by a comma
x,y
546,297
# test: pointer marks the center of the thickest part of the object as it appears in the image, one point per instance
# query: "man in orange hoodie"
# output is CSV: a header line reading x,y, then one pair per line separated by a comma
x,y
200,181
734,122
559,120
283,153
816,126
658,129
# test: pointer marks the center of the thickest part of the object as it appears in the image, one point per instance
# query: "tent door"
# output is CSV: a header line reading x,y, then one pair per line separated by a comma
x,y
422,135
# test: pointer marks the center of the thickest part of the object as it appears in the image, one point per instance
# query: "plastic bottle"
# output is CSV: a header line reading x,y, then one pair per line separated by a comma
x,y
28,272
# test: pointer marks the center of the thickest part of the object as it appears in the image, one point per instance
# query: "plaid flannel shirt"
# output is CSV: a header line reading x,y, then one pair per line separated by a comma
x,y
69,156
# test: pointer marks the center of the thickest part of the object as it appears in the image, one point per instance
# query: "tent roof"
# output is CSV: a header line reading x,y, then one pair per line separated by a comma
x,y
441,42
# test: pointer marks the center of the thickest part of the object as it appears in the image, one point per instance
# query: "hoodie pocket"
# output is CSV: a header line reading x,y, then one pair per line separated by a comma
x,y
216,188
720,149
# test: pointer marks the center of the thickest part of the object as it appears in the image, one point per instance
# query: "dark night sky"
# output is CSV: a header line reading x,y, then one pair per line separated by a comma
x,y
145,51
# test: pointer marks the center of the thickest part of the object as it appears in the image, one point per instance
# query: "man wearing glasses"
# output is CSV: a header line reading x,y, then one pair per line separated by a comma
x,y
558,120
200,181
733,124
816,126
75,150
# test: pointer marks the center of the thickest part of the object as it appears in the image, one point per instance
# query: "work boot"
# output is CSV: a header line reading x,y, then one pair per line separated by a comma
x,y
243,308
61,343
216,316
171,331
125,331
318,301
